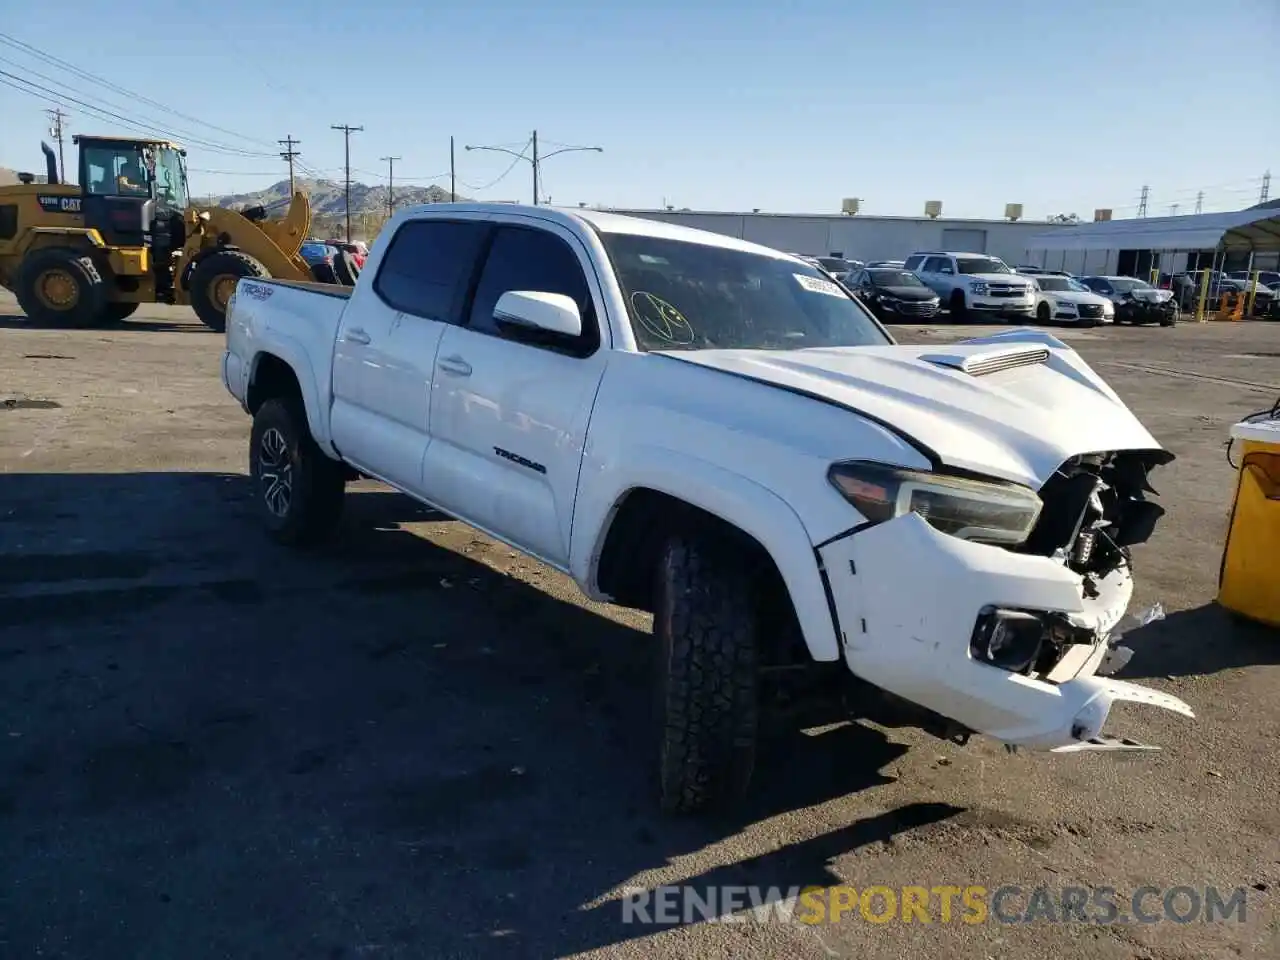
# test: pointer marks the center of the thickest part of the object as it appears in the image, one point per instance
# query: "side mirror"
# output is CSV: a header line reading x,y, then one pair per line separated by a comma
x,y
551,312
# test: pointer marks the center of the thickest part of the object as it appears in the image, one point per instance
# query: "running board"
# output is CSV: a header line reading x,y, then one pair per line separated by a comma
x,y
1104,742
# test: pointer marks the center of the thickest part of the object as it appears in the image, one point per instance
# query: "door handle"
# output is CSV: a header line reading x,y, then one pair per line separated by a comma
x,y
356,335
455,365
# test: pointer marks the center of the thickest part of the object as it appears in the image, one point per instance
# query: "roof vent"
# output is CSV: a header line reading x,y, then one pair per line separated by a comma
x,y
990,361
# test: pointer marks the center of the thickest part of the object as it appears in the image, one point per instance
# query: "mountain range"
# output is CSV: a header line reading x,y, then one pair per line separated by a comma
x,y
328,198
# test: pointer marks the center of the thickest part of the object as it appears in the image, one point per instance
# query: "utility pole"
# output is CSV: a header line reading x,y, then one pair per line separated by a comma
x,y
391,173
453,175
347,130
1142,201
1173,209
536,159
56,118
535,168
288,154
1262,197
1199,200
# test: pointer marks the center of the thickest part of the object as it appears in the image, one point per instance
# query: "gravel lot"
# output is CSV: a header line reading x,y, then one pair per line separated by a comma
x,y
418,744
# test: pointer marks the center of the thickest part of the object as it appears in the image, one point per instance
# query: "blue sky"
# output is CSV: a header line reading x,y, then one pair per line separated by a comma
x,y
1063,107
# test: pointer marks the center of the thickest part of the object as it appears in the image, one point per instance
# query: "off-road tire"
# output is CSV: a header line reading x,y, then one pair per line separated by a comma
x,y
281,449
708,682
345,269
81,280
224,263
118,311
955,306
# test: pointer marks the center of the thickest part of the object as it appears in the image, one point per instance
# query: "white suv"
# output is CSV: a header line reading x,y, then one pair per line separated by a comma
x,y
974,282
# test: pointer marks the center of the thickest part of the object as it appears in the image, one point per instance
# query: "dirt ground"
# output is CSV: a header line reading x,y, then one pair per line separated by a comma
x,y
417,744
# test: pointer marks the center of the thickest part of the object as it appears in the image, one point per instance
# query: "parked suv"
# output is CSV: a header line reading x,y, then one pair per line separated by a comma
x,y
974,282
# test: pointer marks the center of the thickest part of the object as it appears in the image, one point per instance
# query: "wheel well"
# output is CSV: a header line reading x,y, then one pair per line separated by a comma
x,y
272,378
641,527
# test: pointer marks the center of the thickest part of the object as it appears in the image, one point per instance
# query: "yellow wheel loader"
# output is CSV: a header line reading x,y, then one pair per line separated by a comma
x,y
87,255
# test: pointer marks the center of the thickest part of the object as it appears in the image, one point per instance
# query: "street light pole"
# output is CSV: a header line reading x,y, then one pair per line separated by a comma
x,y
536,159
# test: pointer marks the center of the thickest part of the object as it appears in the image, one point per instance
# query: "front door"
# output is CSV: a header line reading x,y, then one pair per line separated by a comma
x,y
509,412
386,348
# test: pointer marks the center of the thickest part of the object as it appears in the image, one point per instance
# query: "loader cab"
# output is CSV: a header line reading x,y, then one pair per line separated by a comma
x,y
129,186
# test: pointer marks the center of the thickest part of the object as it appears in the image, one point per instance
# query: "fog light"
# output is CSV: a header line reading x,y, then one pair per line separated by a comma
x,y
1009,639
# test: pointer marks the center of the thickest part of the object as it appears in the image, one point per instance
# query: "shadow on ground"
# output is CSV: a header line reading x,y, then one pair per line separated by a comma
x,y
20,322
1201,640
216,747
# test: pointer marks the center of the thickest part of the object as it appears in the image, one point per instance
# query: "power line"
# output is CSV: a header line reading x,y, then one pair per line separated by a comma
x,y
347,130
131,94
148,127
288,155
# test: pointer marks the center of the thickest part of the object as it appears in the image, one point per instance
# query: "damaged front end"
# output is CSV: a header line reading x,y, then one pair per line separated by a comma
x,y
1011,640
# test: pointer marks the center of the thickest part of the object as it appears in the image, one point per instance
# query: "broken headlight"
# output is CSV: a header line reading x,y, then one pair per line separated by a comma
x,y
988,511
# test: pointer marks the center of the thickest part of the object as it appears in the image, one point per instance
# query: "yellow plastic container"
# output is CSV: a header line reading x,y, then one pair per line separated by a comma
x,y
1249,582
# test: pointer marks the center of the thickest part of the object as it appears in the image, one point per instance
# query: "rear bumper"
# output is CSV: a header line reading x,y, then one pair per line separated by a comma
x,y
908,598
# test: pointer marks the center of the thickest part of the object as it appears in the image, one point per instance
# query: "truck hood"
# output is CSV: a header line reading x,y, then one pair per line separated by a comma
x,y
1013,406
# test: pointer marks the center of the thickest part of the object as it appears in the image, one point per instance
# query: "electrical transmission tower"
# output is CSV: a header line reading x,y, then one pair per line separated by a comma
x,y
1266,187
289,154
1199,200
347,130
57,130
1142,201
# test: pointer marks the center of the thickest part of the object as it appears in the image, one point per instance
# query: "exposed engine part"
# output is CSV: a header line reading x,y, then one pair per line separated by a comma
x,y
1095,508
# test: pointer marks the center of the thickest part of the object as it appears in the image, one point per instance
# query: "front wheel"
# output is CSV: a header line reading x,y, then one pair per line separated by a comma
x,y
956,306
1042,313
213,281
707,686
299,491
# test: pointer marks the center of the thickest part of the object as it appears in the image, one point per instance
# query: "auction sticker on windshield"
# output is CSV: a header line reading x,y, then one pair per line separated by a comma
x,y
818,285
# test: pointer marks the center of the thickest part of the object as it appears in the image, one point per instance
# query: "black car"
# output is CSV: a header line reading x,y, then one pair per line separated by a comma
x,y
1136,301
891,293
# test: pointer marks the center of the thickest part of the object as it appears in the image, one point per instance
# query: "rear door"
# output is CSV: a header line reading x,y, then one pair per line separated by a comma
x,y
384,358
510,407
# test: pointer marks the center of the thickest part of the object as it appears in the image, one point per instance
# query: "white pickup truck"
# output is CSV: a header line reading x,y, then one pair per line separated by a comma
x,y
715,432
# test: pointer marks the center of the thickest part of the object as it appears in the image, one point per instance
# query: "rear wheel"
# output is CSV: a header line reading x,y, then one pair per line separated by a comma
x,y
707,686
115,312
214,280
58,287
298,490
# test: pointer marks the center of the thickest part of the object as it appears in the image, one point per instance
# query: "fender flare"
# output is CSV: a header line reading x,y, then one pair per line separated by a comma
x,y
295,357
732,498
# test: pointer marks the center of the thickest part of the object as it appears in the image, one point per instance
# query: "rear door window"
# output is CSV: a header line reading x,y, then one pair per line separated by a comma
x,y
428,267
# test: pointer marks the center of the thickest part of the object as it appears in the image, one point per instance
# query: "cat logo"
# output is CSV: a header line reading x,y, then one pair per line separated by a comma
x,y
55,204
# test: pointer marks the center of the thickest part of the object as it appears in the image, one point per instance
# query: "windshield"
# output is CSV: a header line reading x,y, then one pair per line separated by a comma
x,y
981,265
1125,284
693,296
894,278
170,176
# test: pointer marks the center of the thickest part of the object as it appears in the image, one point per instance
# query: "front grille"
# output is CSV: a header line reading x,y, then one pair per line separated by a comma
x,y
916,308
1090,310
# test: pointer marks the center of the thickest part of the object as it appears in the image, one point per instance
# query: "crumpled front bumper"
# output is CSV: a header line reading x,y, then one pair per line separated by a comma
x,y
907,598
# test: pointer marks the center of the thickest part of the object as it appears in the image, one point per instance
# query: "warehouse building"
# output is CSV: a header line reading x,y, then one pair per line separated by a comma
x,y
861,237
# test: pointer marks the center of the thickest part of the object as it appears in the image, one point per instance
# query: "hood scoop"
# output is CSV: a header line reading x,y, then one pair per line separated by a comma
x,y
989,361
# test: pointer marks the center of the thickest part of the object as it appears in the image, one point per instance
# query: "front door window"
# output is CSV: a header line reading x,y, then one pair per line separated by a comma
x,y
116,172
